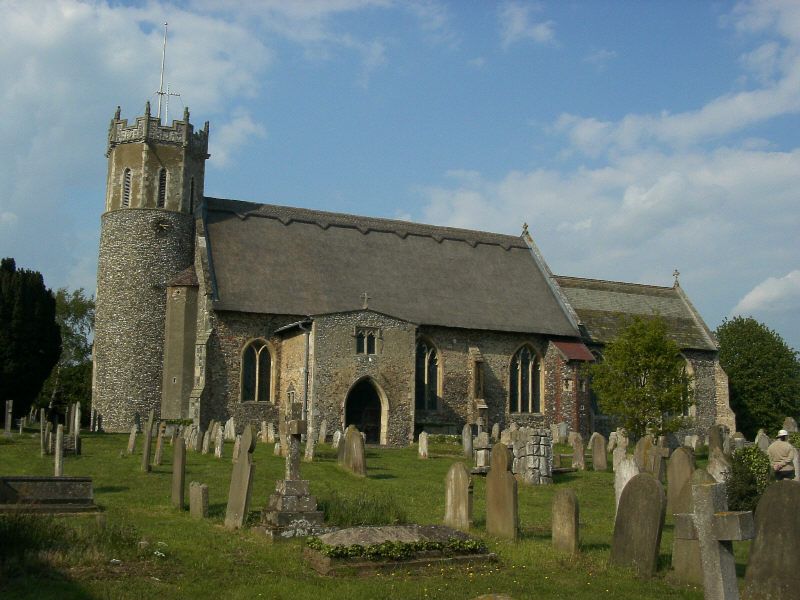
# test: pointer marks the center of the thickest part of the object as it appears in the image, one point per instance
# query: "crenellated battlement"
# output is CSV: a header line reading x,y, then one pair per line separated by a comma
x,y
148,129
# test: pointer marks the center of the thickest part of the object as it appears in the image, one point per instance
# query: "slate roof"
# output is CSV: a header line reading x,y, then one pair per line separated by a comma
x,y
606,307
281,260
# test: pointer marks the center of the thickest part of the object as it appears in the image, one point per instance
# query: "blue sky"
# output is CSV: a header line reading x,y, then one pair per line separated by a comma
x,y
633,137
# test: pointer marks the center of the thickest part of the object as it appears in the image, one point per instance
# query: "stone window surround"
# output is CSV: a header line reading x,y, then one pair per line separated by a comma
x,y
537,359
366,332
272,375
431,345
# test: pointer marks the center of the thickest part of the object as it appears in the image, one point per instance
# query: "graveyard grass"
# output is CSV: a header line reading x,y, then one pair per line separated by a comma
x,y
148,549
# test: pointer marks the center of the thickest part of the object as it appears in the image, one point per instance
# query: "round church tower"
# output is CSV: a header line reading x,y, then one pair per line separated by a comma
x,y
154,183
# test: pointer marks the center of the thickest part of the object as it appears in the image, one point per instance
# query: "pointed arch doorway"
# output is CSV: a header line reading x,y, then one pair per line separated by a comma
x,y
366,407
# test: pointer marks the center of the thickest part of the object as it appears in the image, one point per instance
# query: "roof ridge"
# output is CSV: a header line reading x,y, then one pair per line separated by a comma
x,y
364,224
589,279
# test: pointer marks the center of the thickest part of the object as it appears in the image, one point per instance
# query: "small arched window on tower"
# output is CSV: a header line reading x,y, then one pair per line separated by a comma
x,y
162,188
126,188
256,372
525,382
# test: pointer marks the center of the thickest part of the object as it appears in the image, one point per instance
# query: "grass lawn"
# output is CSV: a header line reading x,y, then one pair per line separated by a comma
x,y
147,549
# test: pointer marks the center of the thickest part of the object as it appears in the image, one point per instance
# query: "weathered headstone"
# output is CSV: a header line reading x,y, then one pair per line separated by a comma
x,y
718,465
270,433
132,439
207,441
578,460
353,456
262,433
641,452
197,439
502,516
230,430
483,453
612,442
42,432
626,470
657,462
309,451
466,440
162,427
77,429
686,563
337,438
714,438
148,439
762,440
458,497
237,448
276,449
178,472
323,432
679,471
565,520
48,437
772,568
790,424
422,445
59,452
495,432
715,528
638,525
241,487
219,443
599,458
692,442
563,432
616,456
198,500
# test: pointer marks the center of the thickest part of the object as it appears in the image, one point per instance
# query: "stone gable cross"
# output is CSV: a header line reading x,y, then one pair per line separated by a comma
x,y
715,527
365,300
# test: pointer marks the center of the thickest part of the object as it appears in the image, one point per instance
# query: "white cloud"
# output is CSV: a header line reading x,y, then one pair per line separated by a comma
x,y
232,135
600,58
517,24
773,294
478,62
7,218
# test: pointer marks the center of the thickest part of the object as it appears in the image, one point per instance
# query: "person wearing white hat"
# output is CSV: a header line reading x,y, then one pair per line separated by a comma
x,y
782,456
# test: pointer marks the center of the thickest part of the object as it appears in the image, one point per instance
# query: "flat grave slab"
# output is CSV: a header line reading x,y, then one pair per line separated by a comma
x,y
51,495
370,550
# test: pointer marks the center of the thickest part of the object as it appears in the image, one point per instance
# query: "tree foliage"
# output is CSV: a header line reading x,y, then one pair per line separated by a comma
x,y
30,341
642,379
71,380
763,374
748,477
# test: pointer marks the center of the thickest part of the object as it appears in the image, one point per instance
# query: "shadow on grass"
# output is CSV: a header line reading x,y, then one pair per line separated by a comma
x,y
110,489
217,510
382,476
588,547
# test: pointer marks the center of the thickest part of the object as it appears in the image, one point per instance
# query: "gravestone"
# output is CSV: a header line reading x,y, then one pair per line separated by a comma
x,y
42,432
616,456
197,439
714,438
230,430
638,525
241,487
178,472
790,425
563,432
262,433
599,458
292,510
198,500
353,456
641,452
276,450
323,432
160,444
578,460
458,497
466,440
626,470
762,440
679,471
48,438
207,441
612,442
718,465
310,447
132,439
237,448
422,445
692,441
148,439
270,433
77,429
337,438
495,432
219,443
772,568
483,454
687,565
715,527
565,520
502,516
59,451
657,462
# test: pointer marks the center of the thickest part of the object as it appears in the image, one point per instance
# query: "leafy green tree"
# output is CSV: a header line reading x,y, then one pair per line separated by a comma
x,y
71,380
763,374
642,379
30,341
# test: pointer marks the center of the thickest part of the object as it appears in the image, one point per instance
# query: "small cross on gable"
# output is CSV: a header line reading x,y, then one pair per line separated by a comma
x,y
715,527
365,300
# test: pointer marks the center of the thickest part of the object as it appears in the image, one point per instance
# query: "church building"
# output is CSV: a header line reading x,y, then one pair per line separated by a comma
x,y
211,308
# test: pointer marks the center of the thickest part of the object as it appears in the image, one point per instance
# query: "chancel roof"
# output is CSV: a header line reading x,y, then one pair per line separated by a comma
x,y
282,260
606,307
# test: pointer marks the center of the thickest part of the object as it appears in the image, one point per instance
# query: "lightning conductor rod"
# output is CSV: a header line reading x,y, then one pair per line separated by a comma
x,y
161,83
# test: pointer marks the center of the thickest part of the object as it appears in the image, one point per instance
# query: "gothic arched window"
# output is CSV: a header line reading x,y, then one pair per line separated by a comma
x,y
126,188
525,382
426,389
162,188
256,372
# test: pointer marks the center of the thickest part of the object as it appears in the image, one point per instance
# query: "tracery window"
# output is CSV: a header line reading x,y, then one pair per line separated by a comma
x,y
426,389
525,382
366,340
162,188
256,372
126,188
